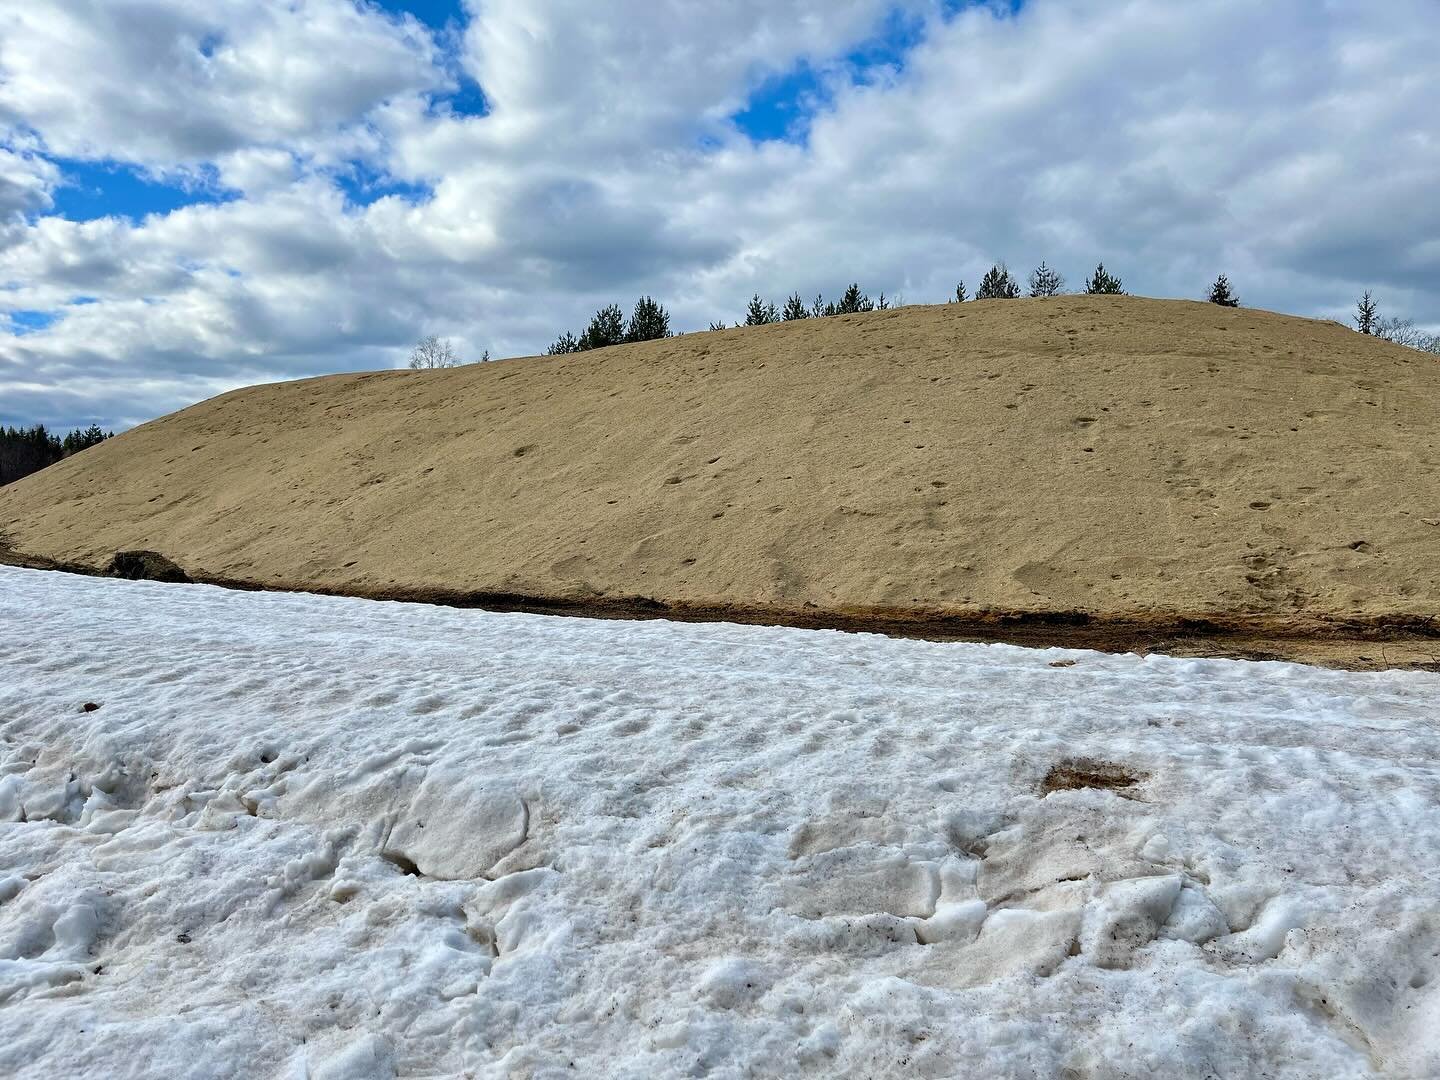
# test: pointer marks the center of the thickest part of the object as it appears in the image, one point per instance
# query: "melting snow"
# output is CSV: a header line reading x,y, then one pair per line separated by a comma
x,y
305,836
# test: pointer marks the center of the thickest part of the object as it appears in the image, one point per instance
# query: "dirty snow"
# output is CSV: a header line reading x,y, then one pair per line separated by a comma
x,y
316,837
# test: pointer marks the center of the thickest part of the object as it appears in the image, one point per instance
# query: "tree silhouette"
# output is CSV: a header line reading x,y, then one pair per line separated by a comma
x,y
1103,283
1220,293
648,322
854,301
760,312
606,328
433,352
565,343
1046,282
1366,314
998,284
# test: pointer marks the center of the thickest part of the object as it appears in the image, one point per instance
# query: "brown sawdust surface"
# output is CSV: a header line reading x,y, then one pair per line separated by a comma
x,y
1112,472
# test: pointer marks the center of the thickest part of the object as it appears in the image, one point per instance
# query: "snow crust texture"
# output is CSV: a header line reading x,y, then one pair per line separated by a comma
x,y
296,836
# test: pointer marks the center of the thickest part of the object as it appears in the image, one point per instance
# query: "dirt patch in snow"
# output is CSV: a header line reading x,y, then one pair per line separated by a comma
x,y
1075,773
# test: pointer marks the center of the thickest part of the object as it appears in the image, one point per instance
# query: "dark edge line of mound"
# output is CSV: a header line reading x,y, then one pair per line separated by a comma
x,y
1329,641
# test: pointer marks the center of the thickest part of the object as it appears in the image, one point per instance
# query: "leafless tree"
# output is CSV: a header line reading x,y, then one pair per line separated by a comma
x,y
1400,331
1404,332
433,352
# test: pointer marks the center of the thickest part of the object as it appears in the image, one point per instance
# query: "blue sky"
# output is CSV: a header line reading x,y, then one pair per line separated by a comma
x,y
436,14
310,188
782,105
99,189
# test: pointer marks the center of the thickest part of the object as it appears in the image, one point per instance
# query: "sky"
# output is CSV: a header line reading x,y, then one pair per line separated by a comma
x,y
224,192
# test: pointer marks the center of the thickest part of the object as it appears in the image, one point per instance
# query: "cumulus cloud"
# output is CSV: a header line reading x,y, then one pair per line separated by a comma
x,y
26,180
166,83
1288,144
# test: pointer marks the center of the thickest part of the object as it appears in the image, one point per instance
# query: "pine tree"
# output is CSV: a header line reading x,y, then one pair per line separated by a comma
x,y
718,326
1046,282
606,328
998,284
882,304
761,312
648,322
960,294
1221,294
27,450
565,343
854,301
78,440
1103,283
794,309
1367,315
820,309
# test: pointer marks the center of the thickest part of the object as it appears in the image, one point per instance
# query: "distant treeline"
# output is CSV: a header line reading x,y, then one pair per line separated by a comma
x,y
27,450
650,320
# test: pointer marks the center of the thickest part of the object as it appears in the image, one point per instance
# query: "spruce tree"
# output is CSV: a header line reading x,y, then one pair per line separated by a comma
x,y
648,322
1103,283
1220,293
1046,282
718,326
565,343
605,329
998,284
761,312
78,440
882,304
960,294
27,450
854,301
1367,315
794,309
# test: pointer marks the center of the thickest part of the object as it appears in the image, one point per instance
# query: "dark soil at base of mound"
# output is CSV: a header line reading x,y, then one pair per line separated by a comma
x,y
1359,644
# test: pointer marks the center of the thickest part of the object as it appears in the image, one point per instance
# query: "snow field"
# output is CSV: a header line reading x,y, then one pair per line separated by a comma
x,y
316,837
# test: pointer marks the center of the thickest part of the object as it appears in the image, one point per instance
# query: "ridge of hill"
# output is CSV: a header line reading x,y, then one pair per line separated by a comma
x,y
1113,471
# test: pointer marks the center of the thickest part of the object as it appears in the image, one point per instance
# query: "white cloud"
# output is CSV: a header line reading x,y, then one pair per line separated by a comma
x,y
166,83
26,180
1289,145
614,79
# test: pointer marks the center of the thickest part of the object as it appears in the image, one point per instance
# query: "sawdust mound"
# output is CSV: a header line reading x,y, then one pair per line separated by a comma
x,y
1061,465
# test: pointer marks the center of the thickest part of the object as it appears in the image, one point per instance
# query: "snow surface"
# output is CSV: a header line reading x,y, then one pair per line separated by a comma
x,y
305,836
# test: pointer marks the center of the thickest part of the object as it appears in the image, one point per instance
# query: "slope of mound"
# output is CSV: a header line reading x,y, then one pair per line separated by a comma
x,y
1112,461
